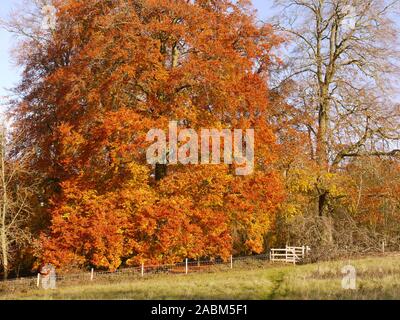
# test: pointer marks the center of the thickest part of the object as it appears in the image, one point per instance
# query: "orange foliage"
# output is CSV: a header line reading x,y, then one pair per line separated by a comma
x,y
114,70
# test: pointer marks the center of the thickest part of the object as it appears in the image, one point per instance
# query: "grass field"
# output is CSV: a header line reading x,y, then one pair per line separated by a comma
x,y
377,278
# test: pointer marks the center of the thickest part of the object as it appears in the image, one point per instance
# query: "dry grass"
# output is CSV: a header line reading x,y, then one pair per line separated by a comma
x,y
377,278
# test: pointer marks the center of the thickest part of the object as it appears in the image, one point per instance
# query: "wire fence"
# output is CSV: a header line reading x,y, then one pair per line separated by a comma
x,y
132,273
291,255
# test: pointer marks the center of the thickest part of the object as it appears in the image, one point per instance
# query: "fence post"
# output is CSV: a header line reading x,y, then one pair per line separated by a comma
x,y
303,249
91,274
38,280
142,269
186,266
294,256
231,261
383,246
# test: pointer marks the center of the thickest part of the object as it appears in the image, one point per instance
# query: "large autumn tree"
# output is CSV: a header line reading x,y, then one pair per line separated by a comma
x,y
91,90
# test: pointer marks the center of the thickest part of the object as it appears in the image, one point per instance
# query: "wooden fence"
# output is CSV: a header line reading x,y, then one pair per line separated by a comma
x,y
134,273
289,254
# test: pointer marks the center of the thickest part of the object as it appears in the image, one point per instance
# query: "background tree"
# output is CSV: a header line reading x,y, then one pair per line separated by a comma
x,y
17,189
341,65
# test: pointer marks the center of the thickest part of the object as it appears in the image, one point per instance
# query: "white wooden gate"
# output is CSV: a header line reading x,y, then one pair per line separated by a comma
x,y
289,254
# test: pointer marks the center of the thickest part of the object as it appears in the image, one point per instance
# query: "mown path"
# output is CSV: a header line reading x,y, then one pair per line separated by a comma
x,y
277,279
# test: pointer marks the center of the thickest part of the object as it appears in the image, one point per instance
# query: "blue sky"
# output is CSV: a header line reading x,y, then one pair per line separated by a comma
x,y
9,74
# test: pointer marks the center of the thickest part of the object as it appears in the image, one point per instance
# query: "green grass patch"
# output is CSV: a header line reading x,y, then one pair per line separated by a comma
x,y
377,278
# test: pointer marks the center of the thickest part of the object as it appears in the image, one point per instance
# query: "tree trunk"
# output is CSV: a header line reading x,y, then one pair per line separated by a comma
x,y
322,204
4,251
4,242
160,171
322,146
322,138
329,229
